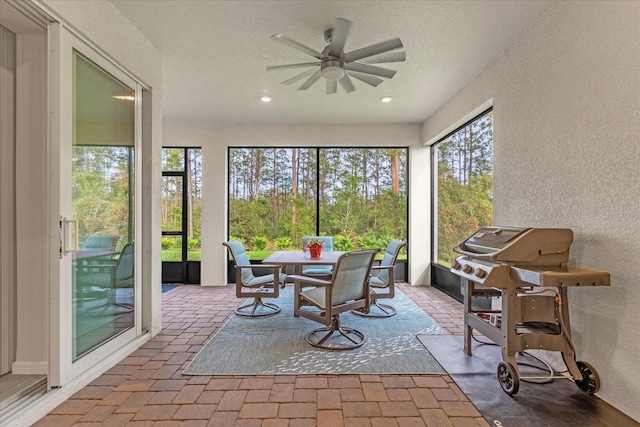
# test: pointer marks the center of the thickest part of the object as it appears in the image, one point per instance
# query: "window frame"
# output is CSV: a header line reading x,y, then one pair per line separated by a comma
x,y
441,277
317,149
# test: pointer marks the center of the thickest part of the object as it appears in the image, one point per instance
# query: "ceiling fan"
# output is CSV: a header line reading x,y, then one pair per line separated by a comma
x,y
335,65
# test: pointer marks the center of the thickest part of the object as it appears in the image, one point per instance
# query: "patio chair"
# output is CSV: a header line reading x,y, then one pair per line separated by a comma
x,y
105,279
99,242
321,271
382,282
256,287
323,300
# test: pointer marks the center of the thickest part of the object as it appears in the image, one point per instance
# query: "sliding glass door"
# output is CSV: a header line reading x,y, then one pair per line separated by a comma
x,y
98,107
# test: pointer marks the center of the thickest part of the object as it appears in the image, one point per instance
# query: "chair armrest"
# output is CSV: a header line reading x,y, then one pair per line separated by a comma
x,y
278,266
311,280
277,276
378,268
274,266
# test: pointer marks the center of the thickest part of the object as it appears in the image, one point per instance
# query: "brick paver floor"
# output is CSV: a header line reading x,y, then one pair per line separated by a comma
x,y
148,389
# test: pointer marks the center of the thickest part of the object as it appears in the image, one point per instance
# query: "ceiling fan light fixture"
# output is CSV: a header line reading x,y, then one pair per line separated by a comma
x,y
332,69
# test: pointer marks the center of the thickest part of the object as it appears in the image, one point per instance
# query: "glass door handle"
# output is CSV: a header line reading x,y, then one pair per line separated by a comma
x,y
68,236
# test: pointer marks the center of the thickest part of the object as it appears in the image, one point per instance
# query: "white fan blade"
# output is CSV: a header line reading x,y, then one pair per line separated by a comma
x,y
311,80
366,78
386,58
370,69
346,84
372,50
294,44
284,67
299,76
332,86
339,36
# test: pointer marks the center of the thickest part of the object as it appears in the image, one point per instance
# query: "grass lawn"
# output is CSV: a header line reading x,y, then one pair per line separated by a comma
x,y
176,255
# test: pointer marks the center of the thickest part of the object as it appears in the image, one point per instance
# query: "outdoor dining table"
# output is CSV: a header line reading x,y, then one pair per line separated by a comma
x,y
300,258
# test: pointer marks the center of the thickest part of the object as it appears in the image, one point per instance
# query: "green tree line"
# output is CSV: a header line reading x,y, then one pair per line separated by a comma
x,y
465,185
101,180
274,194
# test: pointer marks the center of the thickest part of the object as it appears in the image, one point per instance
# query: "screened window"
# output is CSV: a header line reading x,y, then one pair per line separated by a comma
x,y
279,195
464,186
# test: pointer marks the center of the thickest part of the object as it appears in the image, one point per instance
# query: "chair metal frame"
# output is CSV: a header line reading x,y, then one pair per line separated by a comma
x,y
326,299
256,287
378,287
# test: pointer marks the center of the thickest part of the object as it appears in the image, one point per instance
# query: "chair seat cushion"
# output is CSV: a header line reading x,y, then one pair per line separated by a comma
x,y
376,282
262,280
319,270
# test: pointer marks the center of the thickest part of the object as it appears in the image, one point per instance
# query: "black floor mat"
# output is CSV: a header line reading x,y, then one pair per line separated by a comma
x,y
555,404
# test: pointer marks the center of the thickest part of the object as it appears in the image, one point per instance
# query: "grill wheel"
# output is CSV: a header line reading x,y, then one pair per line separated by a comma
x,y
508,378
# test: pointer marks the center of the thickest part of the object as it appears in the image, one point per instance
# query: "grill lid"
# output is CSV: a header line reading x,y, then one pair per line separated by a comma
x,y
491,239
530,246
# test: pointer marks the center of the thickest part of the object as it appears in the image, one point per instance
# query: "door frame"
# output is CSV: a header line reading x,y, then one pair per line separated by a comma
x,y
62,369
187,271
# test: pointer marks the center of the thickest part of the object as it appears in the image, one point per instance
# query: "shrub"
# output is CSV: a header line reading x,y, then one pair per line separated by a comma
x,y
259,243
343,243
383,241
283,242
167,243
368,241
193,244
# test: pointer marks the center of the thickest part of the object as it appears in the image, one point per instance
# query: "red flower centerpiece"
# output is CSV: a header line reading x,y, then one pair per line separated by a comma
x,y
315,248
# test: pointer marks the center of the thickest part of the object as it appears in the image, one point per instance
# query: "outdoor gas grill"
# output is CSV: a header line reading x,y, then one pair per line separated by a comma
x,y
527,269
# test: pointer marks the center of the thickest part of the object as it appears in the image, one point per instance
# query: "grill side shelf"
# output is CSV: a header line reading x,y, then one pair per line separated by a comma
x,y
560,276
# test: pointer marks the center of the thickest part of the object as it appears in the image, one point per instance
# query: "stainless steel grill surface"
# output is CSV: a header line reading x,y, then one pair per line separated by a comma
x,y
526,271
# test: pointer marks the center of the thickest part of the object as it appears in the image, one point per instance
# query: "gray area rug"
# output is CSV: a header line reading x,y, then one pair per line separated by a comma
x,y
277,345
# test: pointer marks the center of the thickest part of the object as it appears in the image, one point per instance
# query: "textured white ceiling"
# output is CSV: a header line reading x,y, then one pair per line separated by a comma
x,y
215,54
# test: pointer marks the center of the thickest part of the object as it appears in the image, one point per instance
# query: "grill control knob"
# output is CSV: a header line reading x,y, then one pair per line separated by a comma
x,y
455,265
480,273
467,269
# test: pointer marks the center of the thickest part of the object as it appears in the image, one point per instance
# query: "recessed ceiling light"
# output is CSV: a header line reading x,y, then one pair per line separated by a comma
x,y
265,98
386,99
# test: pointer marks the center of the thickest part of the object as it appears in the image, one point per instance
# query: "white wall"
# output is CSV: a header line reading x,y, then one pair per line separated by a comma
x,y
215,138
566,99
8,261
103,25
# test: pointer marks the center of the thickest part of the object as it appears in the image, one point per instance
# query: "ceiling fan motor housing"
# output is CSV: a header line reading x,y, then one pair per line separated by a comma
x,y
332,69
